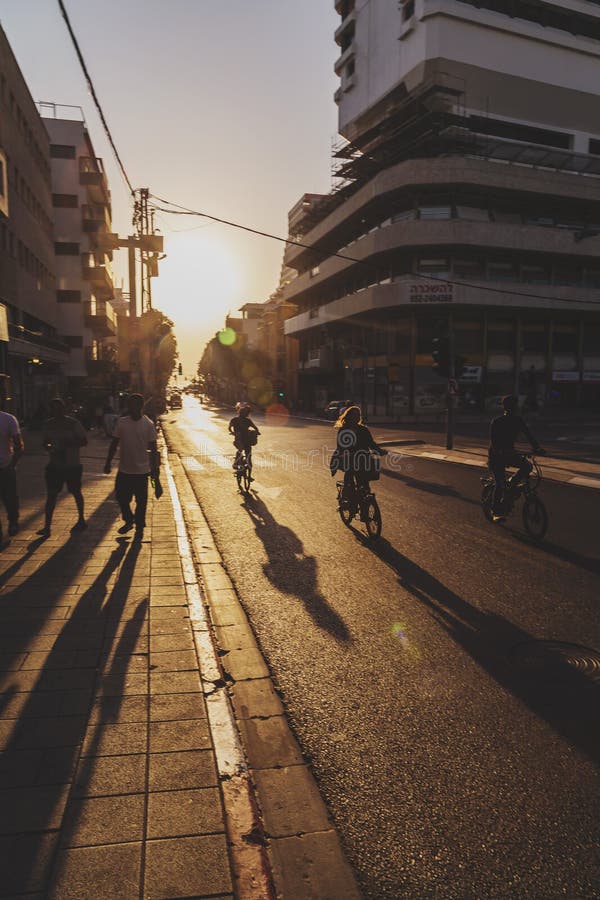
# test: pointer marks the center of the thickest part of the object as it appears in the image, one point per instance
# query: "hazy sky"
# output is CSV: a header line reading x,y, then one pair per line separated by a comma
x,y
225,106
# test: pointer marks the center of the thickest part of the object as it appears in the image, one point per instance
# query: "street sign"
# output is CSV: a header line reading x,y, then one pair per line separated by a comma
x,y
471,373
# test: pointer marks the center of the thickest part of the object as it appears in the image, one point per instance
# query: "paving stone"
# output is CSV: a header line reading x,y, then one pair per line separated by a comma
x,y
174,813
172,707
119,709
269,743
104,775
113,740
174,661
290,801
186,735
57,766
166,626
18,768
225,609
160,643
96,821
175,771
32,809
49,732
235,637
111,873
256,697
312,865
174,682
124,684
25,862
187,867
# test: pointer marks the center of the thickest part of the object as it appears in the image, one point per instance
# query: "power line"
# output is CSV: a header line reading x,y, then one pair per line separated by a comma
x,y
90,84
184,211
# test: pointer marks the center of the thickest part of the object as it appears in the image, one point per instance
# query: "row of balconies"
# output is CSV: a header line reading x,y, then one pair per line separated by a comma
x,y
92,175
100,317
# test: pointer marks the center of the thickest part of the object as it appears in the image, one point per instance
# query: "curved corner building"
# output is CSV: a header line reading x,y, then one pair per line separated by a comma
x,y
468,197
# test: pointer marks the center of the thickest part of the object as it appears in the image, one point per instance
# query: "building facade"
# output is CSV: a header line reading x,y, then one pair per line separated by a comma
x,y
468,197
83,245
35,354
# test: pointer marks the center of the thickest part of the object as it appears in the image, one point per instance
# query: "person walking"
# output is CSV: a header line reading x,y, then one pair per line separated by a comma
x,y
64,436
135,435
11,449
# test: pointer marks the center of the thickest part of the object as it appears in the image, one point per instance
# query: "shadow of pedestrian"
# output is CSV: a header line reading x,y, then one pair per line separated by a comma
x,y
45,742
290,570
562,695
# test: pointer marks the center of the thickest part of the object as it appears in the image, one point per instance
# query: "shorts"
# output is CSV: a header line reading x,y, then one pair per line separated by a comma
x,y
59,476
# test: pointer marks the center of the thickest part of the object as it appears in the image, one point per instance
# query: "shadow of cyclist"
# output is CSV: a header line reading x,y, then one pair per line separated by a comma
x,y
290,570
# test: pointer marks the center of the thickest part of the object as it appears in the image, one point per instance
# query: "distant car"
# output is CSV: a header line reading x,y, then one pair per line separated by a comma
x,y
175,401
333,409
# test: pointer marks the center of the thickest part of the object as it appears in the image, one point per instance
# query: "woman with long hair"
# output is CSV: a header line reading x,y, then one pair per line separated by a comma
x,y
355,449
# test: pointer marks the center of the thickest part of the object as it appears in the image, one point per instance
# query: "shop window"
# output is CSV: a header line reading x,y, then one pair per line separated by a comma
x,y
501,336
468,338
565,339
534,338
591,339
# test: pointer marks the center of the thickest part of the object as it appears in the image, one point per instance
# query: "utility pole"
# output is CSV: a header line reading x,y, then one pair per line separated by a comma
x,y
450,392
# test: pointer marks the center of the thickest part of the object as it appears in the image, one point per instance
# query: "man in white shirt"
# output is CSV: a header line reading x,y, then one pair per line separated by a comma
x,y
11,448
135,435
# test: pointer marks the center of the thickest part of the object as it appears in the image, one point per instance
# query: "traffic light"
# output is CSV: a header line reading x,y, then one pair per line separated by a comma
x,y
440,354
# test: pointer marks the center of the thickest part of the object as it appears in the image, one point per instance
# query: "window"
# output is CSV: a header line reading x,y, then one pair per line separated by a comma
x,y
517,132
66,249
535,274
68,296
565,274
435,212
502,271
469,268
62,151
433,266
73,340
69,201
405,215
473,213
594,146
408,9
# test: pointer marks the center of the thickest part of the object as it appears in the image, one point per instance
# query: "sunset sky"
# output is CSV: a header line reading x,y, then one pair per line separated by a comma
x,y
225,106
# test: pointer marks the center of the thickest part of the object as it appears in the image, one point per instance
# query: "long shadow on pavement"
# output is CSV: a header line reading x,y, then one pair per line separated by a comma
x,y
562,695
45,741
430,487
290,570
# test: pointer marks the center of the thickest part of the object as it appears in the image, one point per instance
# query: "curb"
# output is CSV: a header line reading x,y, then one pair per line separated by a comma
x,y
304,855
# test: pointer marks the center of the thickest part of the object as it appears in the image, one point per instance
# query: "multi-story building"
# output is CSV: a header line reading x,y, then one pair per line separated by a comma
x,y
469,192
83,245
35,353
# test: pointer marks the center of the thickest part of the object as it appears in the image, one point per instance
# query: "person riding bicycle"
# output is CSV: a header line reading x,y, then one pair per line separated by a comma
x,y
504,431
354,451
245,434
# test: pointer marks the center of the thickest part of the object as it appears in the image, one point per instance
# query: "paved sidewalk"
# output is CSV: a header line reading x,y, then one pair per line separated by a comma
x,y
108,782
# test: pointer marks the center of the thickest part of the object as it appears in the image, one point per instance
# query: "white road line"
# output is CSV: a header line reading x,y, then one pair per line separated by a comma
x,y
433,455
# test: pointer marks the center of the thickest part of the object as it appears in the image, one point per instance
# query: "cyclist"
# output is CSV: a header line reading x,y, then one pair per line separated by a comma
x,y
504,431
245,434
355,447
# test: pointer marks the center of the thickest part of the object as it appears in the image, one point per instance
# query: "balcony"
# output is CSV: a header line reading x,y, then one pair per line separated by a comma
x,y
94,218
91,174
100,317
319,360
99,275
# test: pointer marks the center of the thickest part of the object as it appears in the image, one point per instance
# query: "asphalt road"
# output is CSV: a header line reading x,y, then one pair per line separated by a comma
x,y
456,751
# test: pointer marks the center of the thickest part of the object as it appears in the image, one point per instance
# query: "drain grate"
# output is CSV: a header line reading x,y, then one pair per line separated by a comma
x,y
556,658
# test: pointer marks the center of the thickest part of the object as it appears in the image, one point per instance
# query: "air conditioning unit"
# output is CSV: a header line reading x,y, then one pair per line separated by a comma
x,y
3,184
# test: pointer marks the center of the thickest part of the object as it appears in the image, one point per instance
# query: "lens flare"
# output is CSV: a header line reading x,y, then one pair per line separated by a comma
x,y
277,414
227,337
260,391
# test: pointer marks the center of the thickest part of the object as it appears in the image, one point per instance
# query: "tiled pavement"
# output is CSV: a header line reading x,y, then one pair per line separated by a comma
x,y
108,784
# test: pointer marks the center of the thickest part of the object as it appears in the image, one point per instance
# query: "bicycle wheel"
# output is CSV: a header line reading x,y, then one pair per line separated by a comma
x,y
345,508
246,479
372,518
535,518
487,496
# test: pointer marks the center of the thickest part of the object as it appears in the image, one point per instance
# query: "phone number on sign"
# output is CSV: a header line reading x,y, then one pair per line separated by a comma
x,y
431,293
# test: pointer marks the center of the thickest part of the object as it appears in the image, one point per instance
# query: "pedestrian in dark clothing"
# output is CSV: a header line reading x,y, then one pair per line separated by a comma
x,y
245,435
135,435
355,447
63,438
504,431
11,448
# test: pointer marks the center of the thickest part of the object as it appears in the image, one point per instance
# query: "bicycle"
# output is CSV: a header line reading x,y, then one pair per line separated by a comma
x,y
534,515
243,471
358,499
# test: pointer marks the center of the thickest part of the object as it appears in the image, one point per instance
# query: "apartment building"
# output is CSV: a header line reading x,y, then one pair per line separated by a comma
x,y
83,247
468,195
34,355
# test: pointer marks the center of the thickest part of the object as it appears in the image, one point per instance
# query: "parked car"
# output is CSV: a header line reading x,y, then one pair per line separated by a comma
x,y
332,410
175,401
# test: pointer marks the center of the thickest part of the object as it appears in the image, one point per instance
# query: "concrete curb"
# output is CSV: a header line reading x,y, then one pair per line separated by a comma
x,y
305,854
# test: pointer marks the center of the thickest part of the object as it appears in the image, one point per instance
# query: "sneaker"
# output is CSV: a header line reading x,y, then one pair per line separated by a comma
x,y
250,478
80,525
125,528
498,517
13,528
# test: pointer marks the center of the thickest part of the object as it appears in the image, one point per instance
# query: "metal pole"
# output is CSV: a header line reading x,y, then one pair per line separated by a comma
x,y
450,390
132,287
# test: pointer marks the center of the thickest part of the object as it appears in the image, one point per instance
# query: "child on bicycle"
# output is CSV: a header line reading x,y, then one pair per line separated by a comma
x,y
245,434
355,447
504,431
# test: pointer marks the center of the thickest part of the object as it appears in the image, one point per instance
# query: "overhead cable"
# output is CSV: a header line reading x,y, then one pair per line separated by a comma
x,y
184,211
90,84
